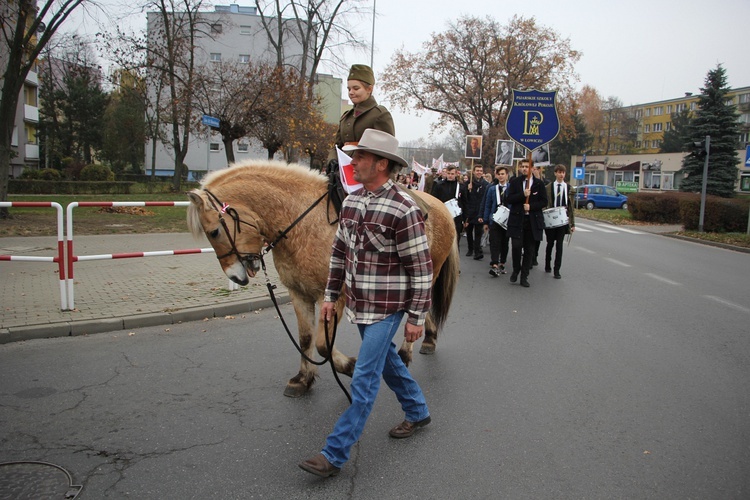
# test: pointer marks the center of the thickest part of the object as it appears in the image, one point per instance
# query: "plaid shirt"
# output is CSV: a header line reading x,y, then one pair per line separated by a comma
x,y
380,253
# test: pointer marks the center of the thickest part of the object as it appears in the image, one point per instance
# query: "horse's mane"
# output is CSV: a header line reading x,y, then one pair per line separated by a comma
x,y
290,174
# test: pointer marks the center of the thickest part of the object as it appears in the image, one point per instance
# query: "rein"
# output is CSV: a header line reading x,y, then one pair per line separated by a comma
x,y
245,257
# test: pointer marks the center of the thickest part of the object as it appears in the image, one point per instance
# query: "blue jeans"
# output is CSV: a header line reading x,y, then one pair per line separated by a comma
x,y
377,356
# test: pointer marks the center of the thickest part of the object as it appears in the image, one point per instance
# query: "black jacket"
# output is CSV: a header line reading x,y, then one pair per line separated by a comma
x,y
446,190
537,202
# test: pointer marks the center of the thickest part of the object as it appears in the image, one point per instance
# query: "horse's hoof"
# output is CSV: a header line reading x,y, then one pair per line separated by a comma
x,y
405,357
427,349
295,391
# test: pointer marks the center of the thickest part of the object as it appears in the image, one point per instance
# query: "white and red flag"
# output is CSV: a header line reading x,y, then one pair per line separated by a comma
x,y
346,171
416,167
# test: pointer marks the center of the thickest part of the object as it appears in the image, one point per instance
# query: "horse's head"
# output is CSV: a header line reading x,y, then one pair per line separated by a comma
x,y
233,232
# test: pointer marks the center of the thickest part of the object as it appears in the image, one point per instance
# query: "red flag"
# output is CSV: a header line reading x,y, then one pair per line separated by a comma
x,y
347,172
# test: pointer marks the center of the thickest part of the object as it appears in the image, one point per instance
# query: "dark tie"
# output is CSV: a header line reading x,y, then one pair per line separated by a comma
x,y
559,202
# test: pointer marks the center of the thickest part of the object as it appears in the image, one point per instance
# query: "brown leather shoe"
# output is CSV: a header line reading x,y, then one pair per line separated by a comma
x,y
320,466
406,428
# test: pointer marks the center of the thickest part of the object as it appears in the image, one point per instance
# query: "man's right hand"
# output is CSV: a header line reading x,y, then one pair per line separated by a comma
x,y
327,310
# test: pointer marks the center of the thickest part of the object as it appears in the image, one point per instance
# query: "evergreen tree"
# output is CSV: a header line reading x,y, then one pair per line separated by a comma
x,y
579,141
677,138
717,119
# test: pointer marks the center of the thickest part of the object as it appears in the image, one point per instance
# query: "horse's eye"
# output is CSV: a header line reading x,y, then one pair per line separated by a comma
x,y
214,233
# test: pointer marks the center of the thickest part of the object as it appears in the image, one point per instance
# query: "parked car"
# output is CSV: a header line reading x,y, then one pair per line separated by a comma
x,y
594,196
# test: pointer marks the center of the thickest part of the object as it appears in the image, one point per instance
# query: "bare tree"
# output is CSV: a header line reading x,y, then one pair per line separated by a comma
x,y
172,55
25,32
241,95
322,28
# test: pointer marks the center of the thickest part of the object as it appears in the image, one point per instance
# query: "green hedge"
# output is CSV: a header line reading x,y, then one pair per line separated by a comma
x,y
657,207
38,186
721,214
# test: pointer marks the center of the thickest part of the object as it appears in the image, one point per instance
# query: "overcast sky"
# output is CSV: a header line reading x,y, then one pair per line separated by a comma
x,y
637,50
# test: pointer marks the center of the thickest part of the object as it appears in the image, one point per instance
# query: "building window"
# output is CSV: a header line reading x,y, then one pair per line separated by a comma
x,y
29,95
657,127
30,134
646,128
638,113
658,111
655,144
638,144
668,126
246,30
242,147
680,107
245,58
648,111
214,147
744,118
216,28
744,138
669,109
215,57
744,98
692,106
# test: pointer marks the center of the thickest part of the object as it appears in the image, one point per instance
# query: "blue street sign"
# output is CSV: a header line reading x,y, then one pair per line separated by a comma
x,y
747,156
210,121
579,172
532,118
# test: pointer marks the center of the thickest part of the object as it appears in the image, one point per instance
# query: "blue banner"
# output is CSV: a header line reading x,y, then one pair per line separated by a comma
x,y
532,118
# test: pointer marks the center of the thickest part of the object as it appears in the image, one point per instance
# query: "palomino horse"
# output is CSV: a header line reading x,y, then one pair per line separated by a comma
x,y
242,208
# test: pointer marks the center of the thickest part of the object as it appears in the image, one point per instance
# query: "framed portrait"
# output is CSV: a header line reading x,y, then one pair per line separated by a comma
x,y
504,152
520,152
540,156
474,147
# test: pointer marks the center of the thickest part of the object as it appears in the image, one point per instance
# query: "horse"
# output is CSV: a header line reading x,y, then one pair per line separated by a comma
x,y
280,205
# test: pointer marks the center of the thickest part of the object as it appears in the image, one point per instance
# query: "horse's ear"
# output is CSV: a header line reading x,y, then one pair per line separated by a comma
x,y
195,198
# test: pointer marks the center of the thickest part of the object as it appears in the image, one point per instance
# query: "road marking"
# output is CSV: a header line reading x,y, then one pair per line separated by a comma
x,y
592,228
579,229
624,230
619,263
662,279
727,303
586,250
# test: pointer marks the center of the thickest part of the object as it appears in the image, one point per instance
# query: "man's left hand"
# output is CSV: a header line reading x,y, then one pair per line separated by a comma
x,y
412,333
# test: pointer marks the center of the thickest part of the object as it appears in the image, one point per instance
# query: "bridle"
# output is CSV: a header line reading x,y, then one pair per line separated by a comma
x,y
244,257
247,257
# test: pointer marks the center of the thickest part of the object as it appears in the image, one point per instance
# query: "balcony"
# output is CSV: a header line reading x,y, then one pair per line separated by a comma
x,y
32,78
30,113
32,152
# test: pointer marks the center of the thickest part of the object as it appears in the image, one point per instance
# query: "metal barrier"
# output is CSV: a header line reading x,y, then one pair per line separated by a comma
x,y
60,258
72,258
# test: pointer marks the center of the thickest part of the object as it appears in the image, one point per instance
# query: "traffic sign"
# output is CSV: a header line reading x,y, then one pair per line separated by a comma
x,y
747,156
532,118
579,173
211,121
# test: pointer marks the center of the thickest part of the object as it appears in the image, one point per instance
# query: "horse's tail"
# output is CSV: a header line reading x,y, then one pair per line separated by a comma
x,y
444,287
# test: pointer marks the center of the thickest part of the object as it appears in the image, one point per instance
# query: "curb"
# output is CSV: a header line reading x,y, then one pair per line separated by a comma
x,y
103,325
707,242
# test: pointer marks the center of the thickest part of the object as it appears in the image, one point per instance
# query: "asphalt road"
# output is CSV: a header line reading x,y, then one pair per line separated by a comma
x,y
628,378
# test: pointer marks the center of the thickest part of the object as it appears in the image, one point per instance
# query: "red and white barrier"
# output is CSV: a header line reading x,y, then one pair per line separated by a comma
x,y
72,258
60,258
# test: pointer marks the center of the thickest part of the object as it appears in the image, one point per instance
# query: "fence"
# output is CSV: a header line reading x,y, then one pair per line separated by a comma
x,y
60,258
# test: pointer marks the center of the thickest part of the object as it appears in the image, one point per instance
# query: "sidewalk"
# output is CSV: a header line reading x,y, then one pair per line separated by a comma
x,y
120,294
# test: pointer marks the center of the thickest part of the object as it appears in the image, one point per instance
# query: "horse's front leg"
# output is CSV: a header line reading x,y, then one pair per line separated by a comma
x,y
306,321
344,364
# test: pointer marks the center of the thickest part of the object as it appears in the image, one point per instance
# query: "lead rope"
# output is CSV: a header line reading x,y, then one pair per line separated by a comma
x,y
329,342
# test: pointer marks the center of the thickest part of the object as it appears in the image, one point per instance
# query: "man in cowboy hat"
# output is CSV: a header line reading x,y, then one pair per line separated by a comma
x,y
380,253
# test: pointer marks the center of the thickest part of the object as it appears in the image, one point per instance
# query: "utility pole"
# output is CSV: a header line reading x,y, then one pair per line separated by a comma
x,y
705,184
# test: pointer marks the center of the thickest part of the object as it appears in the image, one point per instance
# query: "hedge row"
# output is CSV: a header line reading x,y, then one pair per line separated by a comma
x,y
721,214
38,186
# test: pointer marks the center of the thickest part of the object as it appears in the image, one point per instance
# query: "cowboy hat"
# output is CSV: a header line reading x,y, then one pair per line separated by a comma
x,y
378,143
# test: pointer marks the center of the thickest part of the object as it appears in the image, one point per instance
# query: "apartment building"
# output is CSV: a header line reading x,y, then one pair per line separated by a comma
x,y
655,118
236,34
24,143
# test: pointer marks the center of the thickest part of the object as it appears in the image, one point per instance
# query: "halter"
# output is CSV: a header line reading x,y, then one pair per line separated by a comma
x,y
223,208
